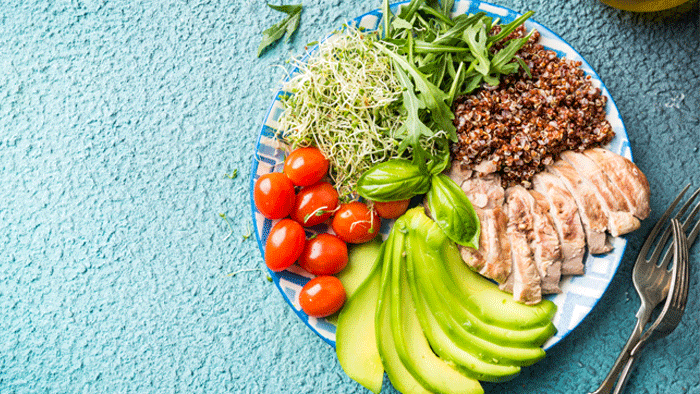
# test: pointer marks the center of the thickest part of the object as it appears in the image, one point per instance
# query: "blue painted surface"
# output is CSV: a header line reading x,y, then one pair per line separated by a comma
x,y
118,123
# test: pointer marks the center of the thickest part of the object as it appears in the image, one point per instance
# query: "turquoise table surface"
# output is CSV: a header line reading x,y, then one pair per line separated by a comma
x,y
122,124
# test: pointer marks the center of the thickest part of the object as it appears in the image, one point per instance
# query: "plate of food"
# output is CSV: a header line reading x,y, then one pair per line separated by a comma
x,y
471,135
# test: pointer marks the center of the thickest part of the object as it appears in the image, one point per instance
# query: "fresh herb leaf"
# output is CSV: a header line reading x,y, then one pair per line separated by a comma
x,y
232,175
453,212
393,180
286,26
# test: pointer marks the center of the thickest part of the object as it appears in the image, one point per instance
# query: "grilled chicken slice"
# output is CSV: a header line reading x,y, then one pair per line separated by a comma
x,y
458,173
621,218
545,246
484,192
493,257
590,211
626,176
564,214
525,278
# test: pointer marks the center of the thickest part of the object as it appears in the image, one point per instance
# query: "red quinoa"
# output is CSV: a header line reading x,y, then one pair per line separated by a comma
x,y
524,123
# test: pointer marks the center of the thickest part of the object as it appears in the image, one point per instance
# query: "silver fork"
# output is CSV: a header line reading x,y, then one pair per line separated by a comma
x,y
651,281
674,307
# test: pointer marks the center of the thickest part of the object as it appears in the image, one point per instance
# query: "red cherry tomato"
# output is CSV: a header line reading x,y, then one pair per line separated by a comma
x,y
274,195
305,166
391,209
355,223
324,255
322,296
315,204
284,244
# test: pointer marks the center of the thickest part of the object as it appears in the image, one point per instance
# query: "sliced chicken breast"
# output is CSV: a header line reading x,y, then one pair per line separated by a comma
x,y
458,173
590,211
493,257
564,214
476,259
525,278
626,176
484,192
621,218
545,246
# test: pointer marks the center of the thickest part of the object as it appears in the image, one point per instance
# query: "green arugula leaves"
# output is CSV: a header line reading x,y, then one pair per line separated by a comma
x,y
286,26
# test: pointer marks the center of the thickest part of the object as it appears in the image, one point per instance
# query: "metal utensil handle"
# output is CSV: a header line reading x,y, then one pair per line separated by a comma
x,y
625,375
643,316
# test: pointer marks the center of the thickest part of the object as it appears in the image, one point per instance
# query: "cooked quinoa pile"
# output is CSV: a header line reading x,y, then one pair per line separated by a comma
x,y
525,122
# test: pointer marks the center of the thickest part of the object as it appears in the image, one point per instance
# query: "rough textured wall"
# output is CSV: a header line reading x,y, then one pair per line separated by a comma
x,y
119,121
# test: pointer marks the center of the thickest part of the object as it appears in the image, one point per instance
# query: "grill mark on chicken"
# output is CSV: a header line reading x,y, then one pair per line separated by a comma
x,y
564,213
627,177
591,213
546,246
493,257
524,279
621,219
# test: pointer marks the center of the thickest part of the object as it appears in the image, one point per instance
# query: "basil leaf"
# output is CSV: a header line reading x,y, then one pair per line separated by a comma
x,y
453,212
393,180
288,25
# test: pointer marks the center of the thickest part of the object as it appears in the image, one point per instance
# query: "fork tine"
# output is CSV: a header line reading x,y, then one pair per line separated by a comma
x,y
679,261
686,224
679,296
660,246
693,234
683,300
660,224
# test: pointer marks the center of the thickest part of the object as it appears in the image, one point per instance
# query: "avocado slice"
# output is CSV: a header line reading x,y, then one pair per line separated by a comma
x,y
444,347
433,267
492,304
400,378
361,260
359,356
413,348
483,299
487,350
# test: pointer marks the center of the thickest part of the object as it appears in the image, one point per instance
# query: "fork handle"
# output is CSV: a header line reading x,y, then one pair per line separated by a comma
x,y
625,376
609,383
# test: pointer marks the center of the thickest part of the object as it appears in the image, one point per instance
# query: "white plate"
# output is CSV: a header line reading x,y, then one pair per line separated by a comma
x,y
579,293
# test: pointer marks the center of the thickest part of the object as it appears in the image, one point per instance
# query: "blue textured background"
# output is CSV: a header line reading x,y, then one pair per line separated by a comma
x,y
118,123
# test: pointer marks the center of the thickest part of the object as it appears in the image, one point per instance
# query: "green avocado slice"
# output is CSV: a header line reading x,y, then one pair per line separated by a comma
x,y
359,356
413,348
400,377
482,298
433,271
361,261
446,348
485,349
493,305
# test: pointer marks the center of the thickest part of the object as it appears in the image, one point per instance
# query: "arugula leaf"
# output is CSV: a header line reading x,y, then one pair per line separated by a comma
x,y
288,25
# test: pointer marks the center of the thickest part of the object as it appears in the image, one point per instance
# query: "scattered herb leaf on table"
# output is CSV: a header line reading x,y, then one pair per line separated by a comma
x,y
288,25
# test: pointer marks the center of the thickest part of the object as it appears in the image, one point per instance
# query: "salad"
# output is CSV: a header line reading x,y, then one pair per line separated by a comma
x,y
366,138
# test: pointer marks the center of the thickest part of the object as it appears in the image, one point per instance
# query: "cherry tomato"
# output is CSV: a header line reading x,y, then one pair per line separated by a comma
x,y
305,166
322,296
315,204
355,223
284,244
274,195
324,255
391,209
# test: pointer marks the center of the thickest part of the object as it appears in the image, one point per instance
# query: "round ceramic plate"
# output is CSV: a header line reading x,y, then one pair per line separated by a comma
x,y
579,293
